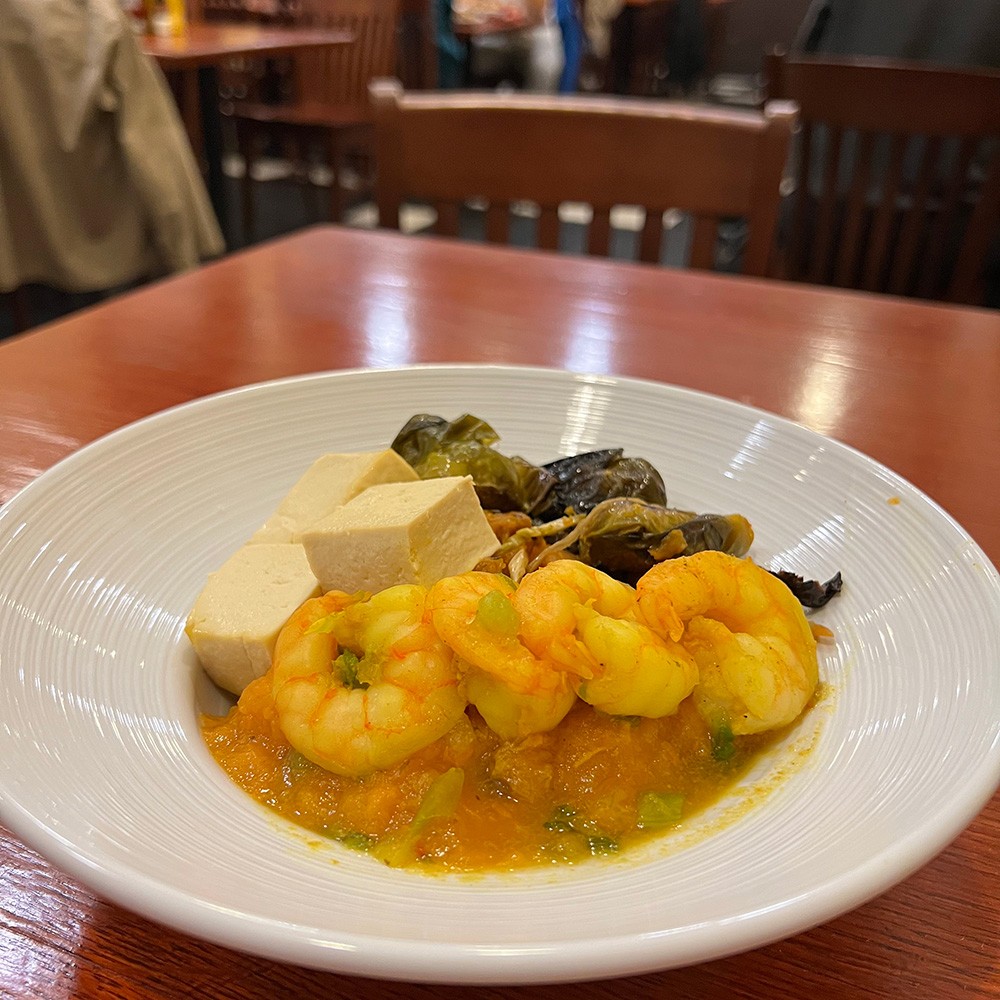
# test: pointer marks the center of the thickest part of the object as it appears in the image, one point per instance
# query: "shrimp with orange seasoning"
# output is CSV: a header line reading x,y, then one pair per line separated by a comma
x,y
586,623
754,647
362,683
516,692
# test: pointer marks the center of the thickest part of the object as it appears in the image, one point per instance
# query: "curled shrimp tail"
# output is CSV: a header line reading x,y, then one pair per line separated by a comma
x,y
361,684
755,650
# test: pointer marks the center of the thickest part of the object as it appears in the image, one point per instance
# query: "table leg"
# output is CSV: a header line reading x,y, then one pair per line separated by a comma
x,y
211,130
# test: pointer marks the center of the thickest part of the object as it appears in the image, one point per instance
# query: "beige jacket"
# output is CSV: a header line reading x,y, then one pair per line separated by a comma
x,y
98,184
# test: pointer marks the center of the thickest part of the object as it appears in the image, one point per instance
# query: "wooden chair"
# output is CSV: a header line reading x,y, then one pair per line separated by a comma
x,y
898,178
602,151
330,93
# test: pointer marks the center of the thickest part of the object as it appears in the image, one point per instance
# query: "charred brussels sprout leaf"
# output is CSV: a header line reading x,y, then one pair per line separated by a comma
x,y
436,447
424,433
584,481
810,593
626,537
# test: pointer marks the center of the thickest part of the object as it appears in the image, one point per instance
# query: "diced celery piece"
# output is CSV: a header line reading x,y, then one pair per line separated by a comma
x,y
441,799
496,614
657,809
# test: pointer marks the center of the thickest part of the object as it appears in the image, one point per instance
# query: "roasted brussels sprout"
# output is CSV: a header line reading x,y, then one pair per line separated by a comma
x,y
436,447
625,537
584,481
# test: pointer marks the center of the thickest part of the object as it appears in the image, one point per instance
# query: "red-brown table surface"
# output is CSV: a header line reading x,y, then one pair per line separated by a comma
x,y
916,386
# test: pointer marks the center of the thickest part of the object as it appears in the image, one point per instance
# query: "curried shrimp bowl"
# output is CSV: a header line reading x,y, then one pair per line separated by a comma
x,y
105,553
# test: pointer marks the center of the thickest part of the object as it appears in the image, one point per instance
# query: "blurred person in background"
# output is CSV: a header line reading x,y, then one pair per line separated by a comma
x,y
950,32
99,187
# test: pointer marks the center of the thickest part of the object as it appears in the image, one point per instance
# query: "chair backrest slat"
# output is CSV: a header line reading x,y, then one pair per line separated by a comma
x,y
981,230
447,223
849,243
876,259
601,151
823,240
498,222
547,234
795,261
914,224
599,233
703,242
651,237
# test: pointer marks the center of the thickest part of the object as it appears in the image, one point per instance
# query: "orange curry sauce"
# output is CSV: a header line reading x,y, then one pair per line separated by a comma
x,y
595,785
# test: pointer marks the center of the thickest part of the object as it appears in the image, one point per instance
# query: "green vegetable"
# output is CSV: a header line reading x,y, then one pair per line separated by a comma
x,y
436,447
562,820
656,809
440,801
357,841
625,537
346,665
723,743
495,613
583,481
602,845
441,798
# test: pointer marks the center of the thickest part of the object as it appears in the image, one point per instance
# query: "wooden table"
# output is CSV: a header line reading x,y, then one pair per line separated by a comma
x,y
193,58
915,386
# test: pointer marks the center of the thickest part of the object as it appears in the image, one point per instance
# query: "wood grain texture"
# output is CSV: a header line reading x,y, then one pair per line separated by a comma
x,y
915,386
714,163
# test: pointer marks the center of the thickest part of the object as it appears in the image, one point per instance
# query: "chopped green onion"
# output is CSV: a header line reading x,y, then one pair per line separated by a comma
x,y
358,841
562,820
347,666
723,743
602,845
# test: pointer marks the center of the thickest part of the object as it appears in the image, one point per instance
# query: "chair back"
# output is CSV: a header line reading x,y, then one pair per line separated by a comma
x,y
714,163
339,76
898,174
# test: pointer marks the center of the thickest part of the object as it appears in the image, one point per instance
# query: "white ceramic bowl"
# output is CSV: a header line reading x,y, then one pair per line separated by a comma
x,y
102,768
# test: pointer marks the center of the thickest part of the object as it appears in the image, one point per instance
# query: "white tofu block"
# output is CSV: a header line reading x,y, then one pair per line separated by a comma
x,y
329,483
400,533
235,622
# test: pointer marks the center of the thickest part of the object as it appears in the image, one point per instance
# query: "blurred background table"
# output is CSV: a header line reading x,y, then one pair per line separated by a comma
x,y
913,385
191,63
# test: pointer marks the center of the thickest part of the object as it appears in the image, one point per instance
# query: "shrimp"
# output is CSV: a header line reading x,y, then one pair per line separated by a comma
x,y
586,623
514,691
745,629
362,683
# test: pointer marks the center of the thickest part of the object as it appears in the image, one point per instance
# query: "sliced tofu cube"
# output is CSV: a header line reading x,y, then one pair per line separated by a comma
x,y
400,533
235,622
328,483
